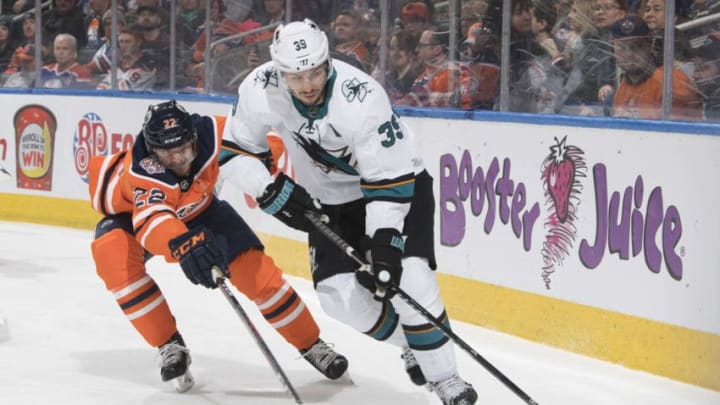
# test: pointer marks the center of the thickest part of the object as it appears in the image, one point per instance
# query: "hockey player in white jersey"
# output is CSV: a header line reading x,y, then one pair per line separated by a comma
x,y
351,152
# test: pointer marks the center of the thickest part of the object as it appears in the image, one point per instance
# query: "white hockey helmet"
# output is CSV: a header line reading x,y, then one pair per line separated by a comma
x,y
299,46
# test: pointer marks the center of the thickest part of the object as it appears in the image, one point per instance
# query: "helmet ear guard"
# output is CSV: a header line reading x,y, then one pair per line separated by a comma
x,y
167,125
299,46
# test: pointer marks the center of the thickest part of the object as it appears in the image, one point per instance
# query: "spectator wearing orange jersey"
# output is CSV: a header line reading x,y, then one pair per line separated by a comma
x,y
24,44
347,29
639,94
480,50
441,84
22,70
66,72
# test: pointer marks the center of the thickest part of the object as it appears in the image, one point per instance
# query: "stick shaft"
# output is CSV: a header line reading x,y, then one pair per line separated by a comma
x,y
258,339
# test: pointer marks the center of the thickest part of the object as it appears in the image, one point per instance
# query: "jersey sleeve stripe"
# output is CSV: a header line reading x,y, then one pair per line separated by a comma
x,y
231,149
400,189
146,213
102,201
152,224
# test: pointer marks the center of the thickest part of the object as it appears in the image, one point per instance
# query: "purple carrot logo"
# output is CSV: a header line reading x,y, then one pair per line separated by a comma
x,y
560,171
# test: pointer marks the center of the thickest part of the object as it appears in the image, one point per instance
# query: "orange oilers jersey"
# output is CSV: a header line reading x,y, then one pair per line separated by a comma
x,y
161,203
355,49
451,86
644,100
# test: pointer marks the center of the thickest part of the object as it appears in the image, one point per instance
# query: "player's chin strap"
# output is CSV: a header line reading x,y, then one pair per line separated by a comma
x,y
320,223
220,280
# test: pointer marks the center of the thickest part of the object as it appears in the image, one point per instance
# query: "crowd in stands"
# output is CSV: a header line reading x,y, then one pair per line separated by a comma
x,y
578,57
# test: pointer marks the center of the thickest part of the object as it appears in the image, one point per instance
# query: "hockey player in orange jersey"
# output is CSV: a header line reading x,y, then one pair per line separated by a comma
x,y
158,199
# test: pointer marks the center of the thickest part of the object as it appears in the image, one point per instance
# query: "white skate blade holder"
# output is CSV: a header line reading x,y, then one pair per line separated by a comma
x,y
184,382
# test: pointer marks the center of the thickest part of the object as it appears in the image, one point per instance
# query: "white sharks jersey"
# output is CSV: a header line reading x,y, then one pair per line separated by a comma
x,y
351,146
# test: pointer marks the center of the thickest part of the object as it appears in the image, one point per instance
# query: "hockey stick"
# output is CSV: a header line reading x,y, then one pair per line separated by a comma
x,y
4,174
220,280
365,266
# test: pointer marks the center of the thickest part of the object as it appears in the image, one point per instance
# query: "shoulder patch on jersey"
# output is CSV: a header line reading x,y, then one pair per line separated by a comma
x,y
151,165
267,77
354,89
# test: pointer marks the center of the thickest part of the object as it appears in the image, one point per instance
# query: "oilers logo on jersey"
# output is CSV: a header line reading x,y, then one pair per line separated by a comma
x,y
187,210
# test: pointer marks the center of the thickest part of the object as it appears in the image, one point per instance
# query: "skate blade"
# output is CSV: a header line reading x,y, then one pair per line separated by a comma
x,y
344,379
184,382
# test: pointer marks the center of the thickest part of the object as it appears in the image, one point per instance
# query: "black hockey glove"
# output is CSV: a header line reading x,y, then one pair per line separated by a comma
x,y
199,252
287,201
386,250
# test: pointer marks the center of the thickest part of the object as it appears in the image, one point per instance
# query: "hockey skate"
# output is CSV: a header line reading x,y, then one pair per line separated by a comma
x,y
412,367
326,360
174,362
454,391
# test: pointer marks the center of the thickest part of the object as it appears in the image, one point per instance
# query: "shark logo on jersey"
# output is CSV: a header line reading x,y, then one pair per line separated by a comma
x,y
327,160
266,78
355,89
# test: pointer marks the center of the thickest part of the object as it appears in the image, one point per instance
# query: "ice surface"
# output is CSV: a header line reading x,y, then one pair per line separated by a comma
x,y
70,344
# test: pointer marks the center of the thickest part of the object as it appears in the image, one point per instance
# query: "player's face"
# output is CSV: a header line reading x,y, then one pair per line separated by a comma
x,y
177,159
308,86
